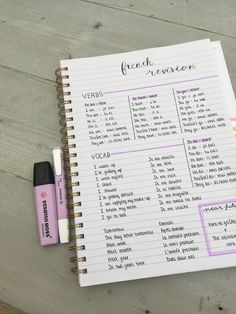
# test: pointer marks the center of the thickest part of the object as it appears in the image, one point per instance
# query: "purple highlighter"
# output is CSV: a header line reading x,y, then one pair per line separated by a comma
x,y
45,202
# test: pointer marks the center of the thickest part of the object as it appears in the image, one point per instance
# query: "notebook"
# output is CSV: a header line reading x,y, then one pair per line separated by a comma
x,y
150,142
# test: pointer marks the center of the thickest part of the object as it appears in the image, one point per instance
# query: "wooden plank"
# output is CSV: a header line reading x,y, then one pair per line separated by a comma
x,y
215,16
38,280
29,125
36,35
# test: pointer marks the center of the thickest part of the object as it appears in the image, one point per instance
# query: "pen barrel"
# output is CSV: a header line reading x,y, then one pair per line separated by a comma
x,y
61,198
45,203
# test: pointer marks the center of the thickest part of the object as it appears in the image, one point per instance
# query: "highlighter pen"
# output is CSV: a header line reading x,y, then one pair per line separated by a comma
x,y
60,185
45,203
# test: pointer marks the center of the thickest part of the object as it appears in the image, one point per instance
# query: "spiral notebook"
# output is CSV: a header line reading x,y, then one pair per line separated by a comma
x,y
150,139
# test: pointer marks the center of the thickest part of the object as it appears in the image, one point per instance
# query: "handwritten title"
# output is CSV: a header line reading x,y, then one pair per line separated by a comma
x,y
152,70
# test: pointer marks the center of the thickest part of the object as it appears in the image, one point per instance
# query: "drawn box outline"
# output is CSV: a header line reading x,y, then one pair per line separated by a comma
x,y
207,240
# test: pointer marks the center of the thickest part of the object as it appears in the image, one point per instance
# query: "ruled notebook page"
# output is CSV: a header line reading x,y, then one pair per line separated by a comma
x,y
157,173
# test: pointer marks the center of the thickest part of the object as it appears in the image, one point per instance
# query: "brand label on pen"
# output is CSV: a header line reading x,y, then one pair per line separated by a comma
x,y
45,217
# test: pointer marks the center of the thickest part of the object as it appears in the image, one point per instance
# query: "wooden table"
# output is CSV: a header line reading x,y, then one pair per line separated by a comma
x,y
34,36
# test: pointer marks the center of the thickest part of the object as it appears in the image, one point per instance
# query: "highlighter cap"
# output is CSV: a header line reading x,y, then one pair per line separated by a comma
x,y
43,173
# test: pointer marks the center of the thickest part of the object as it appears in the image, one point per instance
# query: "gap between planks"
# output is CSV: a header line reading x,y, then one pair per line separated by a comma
x,y
28,75
155,18
15,176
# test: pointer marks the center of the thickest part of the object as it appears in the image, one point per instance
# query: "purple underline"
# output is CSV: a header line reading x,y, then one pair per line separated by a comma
x,y
217,203
144,149
157,85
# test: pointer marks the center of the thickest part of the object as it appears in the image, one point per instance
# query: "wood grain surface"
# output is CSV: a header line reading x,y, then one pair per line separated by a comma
x,y
34,36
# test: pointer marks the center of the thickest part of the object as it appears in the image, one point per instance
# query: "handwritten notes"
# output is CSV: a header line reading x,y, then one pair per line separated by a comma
x,y
153,142
219,225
